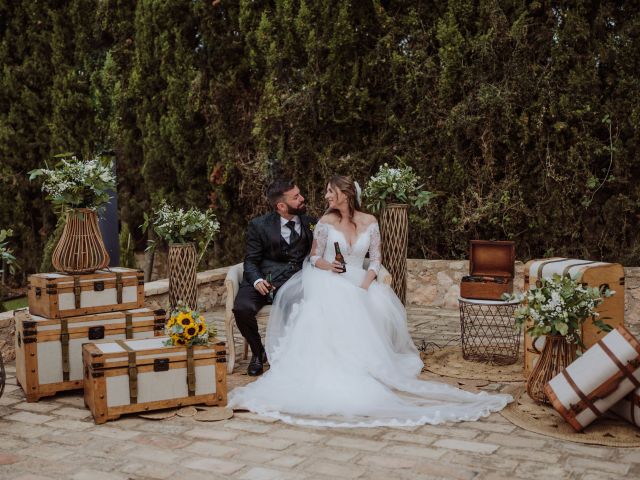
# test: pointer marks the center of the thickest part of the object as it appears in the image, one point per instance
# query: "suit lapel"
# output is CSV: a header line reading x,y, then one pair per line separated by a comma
x,y
275,232
306,231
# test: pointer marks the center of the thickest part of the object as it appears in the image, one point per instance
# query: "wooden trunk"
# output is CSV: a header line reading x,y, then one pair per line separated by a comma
x,y
629,407
49,351
593,274
142,375
59,295
597,380
491,270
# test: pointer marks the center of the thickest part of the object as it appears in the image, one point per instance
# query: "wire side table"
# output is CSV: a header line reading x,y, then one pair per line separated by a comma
x,y
489,332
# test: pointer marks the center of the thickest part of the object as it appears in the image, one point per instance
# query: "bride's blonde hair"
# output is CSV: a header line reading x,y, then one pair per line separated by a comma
x,y
347,186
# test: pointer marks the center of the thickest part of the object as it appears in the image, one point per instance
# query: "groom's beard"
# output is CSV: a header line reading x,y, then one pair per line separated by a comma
x,y
296,211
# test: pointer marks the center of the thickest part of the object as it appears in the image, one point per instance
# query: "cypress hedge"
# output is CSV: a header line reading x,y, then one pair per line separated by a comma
x,y
522,116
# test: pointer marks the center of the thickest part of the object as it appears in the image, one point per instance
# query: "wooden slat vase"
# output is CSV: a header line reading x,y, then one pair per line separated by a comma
x,y
183,287
556,355
81,248
394,229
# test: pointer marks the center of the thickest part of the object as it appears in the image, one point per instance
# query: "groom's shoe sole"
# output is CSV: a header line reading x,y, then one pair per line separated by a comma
x,y
254,373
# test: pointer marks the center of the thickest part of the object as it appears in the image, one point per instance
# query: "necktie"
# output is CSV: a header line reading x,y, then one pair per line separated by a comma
x,y
293,238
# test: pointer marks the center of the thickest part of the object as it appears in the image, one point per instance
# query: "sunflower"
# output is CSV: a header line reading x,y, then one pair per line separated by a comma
x,y
191,331
185,319
171,322
202,327
181,341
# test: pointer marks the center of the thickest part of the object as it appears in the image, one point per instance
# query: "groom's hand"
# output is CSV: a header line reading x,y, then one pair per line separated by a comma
x,y
263,287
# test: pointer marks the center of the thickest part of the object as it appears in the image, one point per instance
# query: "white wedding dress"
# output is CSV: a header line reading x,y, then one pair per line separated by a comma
x,y
341,356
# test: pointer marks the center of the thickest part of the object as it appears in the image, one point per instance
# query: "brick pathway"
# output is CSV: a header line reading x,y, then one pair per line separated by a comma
x,y
56,438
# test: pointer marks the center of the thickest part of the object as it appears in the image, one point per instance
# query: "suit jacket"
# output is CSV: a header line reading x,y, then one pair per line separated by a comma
x,y
264,252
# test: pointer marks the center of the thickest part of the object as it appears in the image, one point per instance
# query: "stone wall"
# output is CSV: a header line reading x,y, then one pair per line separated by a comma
x,y
430,283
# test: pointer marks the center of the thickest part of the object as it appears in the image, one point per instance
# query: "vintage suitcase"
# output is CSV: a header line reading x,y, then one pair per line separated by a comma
x,y
597,380
629,407
594,274
139,375
491,270
49,351
59,295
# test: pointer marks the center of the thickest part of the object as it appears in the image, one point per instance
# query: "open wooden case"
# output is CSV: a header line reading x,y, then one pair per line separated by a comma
x,y
491,270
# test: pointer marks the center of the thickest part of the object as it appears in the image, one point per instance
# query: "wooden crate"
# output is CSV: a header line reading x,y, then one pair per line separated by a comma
x,y
491,270
60,295
593,274
597,380
141,375
49,351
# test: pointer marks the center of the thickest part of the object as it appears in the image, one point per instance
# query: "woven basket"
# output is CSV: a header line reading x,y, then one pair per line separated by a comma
x,y
183,287
81,248
555,356
394,229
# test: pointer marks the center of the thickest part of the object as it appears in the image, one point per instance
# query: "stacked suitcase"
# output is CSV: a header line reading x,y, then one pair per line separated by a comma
x,y
66,311
593,274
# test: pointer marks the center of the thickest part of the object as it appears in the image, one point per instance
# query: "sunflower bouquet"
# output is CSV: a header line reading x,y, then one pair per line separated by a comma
x,y
187,327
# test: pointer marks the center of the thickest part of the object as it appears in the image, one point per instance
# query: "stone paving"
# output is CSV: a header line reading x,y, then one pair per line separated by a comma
x,y
56,438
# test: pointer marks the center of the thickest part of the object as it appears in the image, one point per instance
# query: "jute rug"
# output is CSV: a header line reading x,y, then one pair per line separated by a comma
x,y
610,431
448,362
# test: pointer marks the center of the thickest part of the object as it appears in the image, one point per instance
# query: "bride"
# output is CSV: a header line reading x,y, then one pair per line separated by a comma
x,y
337,341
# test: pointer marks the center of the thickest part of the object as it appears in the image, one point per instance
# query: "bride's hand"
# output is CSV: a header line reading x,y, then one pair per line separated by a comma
x,y
337,267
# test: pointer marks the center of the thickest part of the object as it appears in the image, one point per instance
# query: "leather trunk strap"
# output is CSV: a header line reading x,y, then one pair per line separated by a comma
x,y
580,393
627,372
133,371
544,264
566,270
77,290
128,325
64,343
191,372
119,288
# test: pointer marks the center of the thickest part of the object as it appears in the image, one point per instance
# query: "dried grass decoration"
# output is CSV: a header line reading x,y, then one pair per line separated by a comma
x,y
187,327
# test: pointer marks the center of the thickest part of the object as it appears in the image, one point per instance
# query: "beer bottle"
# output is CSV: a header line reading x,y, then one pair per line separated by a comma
x,y
339,257
271,289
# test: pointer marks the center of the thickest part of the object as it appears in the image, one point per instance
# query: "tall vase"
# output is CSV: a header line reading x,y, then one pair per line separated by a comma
x,y
394,228
81,248
555,356
183,263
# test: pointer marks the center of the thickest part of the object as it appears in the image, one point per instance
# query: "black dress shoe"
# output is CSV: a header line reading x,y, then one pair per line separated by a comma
x,y
255,366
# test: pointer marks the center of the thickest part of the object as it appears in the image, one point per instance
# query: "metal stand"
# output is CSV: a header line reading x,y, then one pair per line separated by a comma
x,y
489,333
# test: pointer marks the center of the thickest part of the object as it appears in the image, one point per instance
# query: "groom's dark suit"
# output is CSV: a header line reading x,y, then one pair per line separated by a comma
x,y
268,252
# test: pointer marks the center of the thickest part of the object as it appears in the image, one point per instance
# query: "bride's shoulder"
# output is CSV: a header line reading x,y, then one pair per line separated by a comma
x,y
366,220
329,219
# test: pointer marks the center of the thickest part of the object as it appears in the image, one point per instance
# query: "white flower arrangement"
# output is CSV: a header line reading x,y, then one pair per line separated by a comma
x,y
395,185
559,306
182,226
75,183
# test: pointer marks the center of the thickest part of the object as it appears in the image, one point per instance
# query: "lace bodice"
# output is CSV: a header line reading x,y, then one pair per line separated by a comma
x,y
325,235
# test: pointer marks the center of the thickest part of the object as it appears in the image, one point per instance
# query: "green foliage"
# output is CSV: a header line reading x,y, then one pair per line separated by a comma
x,y
559,306
7,259
523,116
127,252
173,225
76,183
395,185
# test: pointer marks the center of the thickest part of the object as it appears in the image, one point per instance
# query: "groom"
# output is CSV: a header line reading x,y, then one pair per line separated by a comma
x,y
277,244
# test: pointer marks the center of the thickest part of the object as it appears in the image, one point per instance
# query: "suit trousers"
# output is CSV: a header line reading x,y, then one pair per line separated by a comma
x,y
247,304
